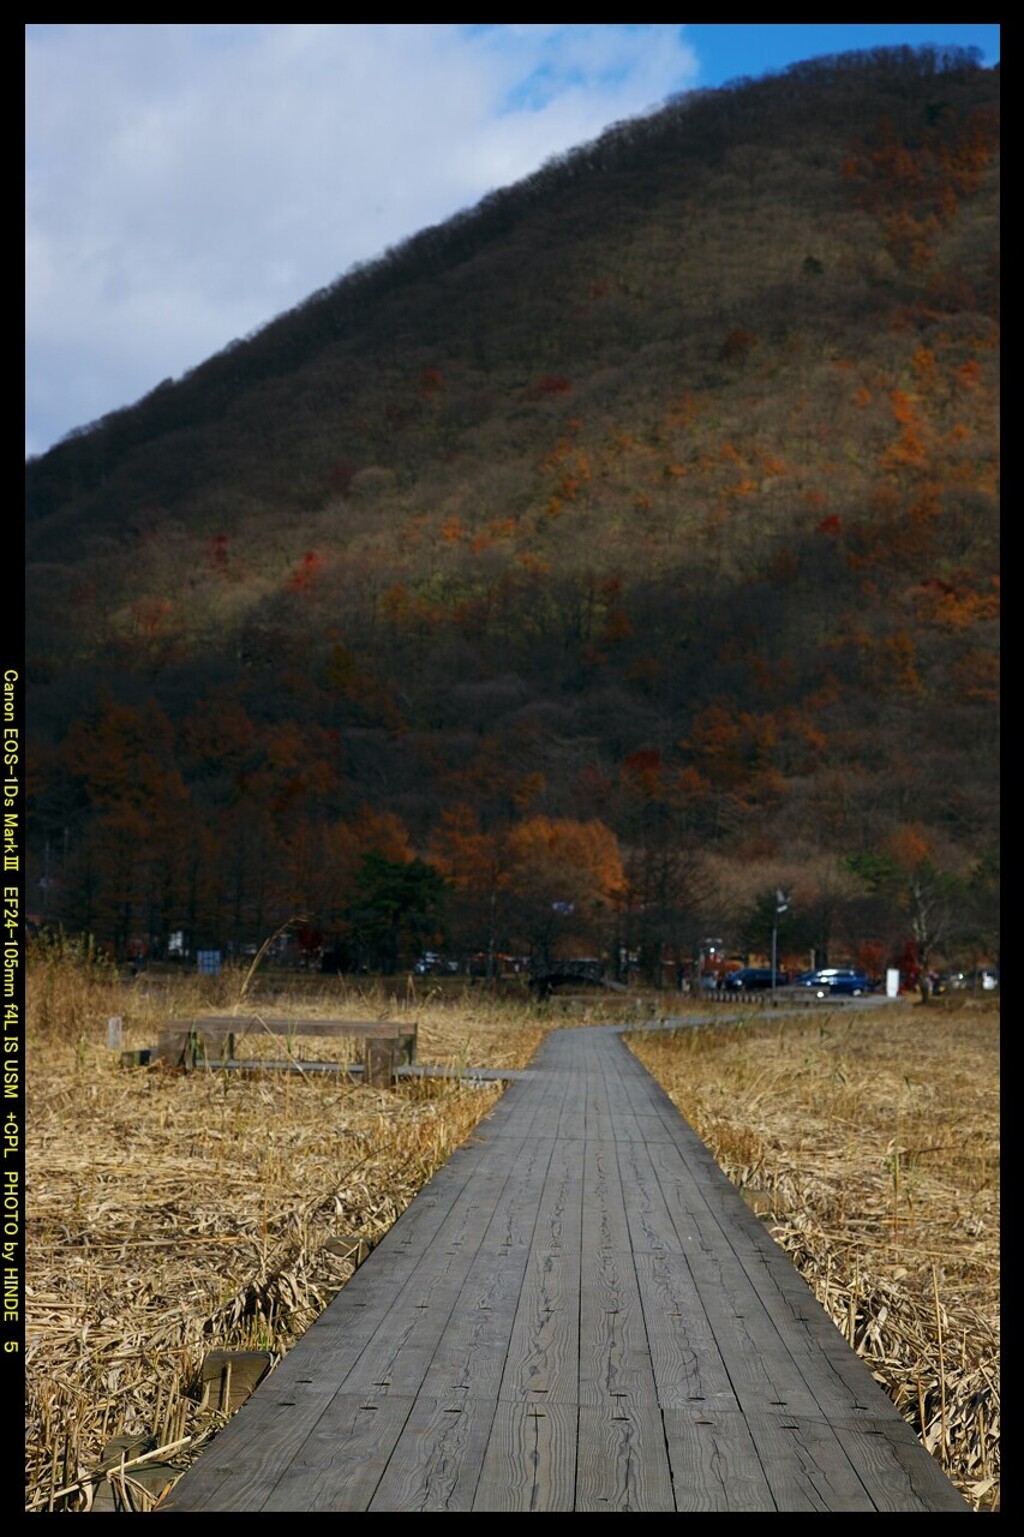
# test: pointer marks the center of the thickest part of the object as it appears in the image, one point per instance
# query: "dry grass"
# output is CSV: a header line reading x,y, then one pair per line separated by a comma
x,y
869,1145
171,1215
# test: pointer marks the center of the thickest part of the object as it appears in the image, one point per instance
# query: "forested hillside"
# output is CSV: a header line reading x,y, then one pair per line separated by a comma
x,y
571,578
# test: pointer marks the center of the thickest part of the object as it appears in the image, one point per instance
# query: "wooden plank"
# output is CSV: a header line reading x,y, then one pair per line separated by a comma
x,y
886,1454
382,1058
454,1208
189,1048
450,1205
229,1376
651,1224
722,1222
764,1373
542,1364
139,1058
693,1195
805,1464
217,1025
437,1459
411,1340
210,1041
559,1225
603,1109
400,1352
531,1106
688,1368
615,1357
514,1222
714,1462
578,1312
623,1462
754,1334
530,1461
464,1265
604,1219
342,1460
245,1460
395,1360
469,1358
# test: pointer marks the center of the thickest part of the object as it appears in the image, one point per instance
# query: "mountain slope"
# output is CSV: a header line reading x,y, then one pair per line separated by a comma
x,y
659,491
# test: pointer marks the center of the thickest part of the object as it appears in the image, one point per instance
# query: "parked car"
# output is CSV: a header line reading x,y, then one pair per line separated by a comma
x,y
754,979
430,962
836,979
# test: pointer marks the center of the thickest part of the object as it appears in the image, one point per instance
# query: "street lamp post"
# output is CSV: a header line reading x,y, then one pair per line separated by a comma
x,y
781,906
709,948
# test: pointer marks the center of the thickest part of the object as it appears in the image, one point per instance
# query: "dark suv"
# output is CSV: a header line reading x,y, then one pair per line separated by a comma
x,y
753,979
836,979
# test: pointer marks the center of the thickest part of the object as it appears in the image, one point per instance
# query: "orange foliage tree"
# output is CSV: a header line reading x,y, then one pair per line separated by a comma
x,y
476,865
129,864
566,878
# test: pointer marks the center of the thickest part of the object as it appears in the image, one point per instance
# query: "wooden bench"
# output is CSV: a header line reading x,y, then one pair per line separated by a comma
x,y
210,1040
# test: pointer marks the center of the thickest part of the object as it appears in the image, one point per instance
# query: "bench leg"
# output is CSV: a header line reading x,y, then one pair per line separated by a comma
x,y
379,1063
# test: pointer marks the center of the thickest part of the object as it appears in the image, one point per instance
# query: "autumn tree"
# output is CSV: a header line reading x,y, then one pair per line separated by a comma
x,y
665,888
128,864
566,878
572,508
478,868
927,898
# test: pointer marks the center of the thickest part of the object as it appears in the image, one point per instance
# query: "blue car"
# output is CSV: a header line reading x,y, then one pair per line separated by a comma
x,y
836,979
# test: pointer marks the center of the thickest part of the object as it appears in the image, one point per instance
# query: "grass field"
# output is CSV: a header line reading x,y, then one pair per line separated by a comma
x,y
868,1142
170,1215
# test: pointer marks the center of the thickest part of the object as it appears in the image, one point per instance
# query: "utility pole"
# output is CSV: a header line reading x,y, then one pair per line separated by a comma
x,y
781,906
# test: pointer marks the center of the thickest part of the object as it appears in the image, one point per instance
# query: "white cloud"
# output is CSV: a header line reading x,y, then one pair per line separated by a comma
x,y
186,183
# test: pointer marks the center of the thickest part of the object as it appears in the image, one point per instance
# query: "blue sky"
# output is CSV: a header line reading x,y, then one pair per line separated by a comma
x,y
187,182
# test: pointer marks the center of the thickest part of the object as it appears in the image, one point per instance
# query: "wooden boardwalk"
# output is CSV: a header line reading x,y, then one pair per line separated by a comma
x,y
577,1313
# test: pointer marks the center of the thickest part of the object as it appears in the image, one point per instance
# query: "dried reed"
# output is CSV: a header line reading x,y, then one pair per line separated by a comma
x,y
868,1141
170,1215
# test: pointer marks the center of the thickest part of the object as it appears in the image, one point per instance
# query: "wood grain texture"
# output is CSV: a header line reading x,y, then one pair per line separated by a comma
x,y
577,1313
